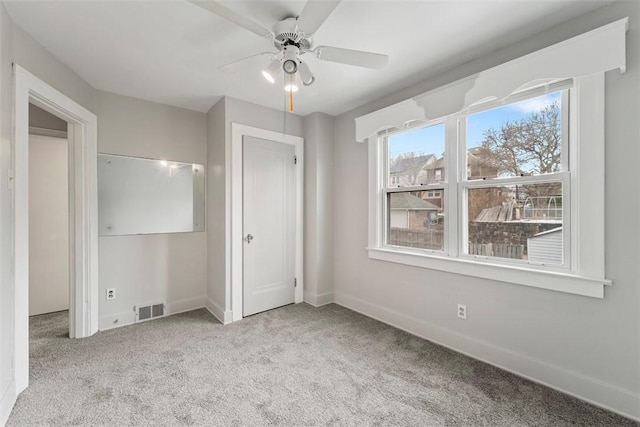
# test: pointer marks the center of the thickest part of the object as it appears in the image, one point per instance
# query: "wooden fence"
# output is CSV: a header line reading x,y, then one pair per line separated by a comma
x,y
434,240
411,238
497,249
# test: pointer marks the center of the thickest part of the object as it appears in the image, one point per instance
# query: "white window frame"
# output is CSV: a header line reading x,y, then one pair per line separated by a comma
x,y
584,271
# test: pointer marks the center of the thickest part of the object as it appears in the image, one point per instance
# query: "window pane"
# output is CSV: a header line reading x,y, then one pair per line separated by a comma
x,y
517,221
416,219
416,157
519,139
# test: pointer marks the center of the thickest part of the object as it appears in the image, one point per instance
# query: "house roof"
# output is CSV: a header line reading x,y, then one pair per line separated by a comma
x,y
553,230
403,164
438,164
410,202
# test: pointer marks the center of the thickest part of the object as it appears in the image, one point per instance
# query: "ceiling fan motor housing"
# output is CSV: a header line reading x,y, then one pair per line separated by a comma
x,y
286,33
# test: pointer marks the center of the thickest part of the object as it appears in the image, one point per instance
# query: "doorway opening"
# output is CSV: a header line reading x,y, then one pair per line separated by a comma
x,y
49,288
82,256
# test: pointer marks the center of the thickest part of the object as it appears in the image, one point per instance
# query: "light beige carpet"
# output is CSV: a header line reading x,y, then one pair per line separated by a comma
x,y
293,366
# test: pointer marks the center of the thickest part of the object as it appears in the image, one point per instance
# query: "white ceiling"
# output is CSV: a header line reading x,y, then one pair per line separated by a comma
x,y
169,51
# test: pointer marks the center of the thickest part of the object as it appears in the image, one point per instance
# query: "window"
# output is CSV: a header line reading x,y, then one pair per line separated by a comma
x,y
517,176
493,188
413,218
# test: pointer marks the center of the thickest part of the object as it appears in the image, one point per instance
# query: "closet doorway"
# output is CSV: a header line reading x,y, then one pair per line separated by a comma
x,y
48,217
82,208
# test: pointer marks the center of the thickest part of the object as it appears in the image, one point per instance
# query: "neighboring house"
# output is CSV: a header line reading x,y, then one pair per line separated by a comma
x,y
546,247
434,171
435,197
409,170
409,211
479,164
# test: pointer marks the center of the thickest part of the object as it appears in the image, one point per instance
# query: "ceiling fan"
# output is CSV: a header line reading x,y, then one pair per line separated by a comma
x,y
293,37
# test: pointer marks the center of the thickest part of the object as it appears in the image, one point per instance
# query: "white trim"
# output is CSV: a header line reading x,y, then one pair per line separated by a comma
x,y
596,51
588,175
225,317
83,212
33,130
519,275
237,132
7,401
588,389
318,300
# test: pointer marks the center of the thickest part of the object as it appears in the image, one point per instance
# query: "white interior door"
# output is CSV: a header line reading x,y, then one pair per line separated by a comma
x,y
269,224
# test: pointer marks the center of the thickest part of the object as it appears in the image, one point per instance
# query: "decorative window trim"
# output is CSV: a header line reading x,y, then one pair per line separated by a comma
x,y
586,275
599,50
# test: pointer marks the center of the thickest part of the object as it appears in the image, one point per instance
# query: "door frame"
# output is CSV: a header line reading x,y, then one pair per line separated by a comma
x,y
83,212
236,245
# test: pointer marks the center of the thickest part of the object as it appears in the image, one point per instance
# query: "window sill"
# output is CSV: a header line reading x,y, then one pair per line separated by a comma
x,y
551,280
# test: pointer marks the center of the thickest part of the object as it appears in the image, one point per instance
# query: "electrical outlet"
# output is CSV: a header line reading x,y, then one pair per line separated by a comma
x,y
462,311
111,294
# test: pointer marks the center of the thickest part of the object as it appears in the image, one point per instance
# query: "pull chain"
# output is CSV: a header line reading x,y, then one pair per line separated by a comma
x,y
291,101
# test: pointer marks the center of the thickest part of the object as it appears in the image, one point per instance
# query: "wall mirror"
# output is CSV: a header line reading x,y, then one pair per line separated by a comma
x,y
145,196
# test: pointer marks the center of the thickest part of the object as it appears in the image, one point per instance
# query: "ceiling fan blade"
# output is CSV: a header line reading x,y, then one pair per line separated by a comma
x,y
246,62
314,13
351,57
231,16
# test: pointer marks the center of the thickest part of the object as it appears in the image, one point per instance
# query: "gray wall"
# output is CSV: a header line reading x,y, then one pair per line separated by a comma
x,y
155,267
588,347
42,64
318,208
216,210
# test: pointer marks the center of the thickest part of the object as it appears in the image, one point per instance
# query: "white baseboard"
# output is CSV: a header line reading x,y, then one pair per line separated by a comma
x,y
591,390
118,320
318,300
7,401
225,317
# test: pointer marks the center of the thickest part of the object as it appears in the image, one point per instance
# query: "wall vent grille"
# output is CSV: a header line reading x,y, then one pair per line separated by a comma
x,y
157,310
147,312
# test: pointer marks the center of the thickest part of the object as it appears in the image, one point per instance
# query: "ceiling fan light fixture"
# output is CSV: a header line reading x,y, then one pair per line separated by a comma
x,y
271,72
290,66
292,83
290,61
306,75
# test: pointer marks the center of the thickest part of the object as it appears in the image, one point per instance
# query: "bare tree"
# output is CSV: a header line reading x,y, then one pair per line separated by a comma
x,y
529,146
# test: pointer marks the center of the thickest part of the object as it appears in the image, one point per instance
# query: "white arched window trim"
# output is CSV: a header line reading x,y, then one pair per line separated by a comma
x,y
596,51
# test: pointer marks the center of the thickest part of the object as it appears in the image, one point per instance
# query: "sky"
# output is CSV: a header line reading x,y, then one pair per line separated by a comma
x,y
431,139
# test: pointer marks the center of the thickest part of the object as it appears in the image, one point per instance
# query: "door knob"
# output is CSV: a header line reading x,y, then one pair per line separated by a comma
x,y
249,238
